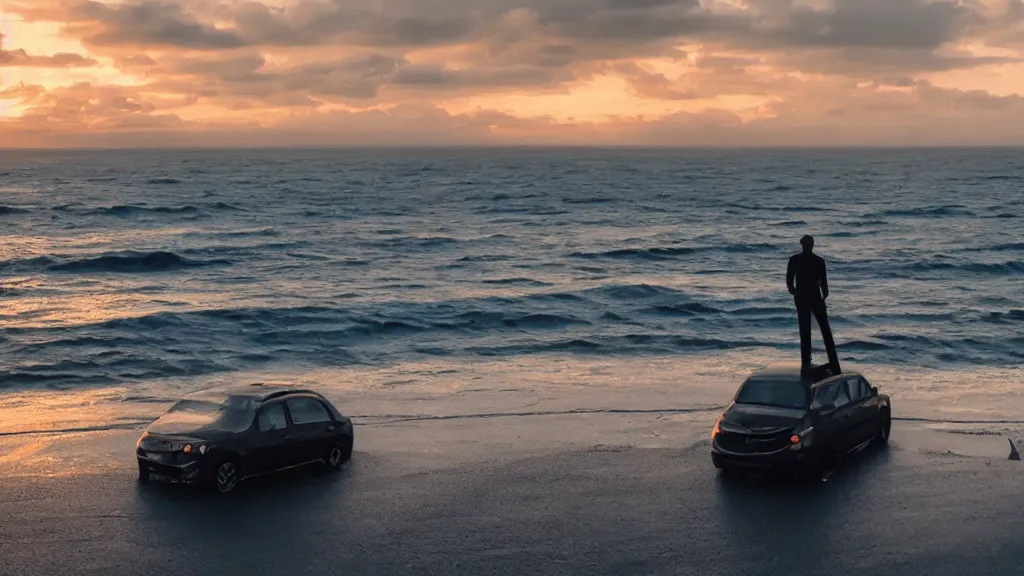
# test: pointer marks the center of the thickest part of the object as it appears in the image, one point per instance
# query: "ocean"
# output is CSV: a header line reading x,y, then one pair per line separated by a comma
x,y
403,280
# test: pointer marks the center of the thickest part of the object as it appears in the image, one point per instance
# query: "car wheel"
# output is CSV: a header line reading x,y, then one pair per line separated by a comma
x,y
227,476
346,448
339,453
884,427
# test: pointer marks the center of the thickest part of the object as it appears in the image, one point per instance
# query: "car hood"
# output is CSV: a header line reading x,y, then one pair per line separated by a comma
x,y
756,416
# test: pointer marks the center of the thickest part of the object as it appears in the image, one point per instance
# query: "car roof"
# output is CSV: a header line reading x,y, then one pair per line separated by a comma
x,y
257,391
792,371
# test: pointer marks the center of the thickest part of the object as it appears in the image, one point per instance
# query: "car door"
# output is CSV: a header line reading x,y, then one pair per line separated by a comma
x,y
847,416
313,428
270,448
835,417
860,396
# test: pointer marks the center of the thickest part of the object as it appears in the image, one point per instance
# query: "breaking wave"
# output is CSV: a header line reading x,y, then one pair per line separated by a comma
x,y
123,262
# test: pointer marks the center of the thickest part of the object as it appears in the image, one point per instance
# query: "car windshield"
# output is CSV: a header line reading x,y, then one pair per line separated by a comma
x,y
768,392
207,411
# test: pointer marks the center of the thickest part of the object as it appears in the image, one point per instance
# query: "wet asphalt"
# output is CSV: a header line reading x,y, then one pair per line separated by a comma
x,y
608,511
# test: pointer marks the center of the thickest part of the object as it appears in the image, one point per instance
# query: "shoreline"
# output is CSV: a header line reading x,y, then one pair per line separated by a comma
x,y
480,437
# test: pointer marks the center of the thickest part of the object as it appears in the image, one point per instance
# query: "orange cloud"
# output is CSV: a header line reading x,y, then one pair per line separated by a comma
x,y
629,71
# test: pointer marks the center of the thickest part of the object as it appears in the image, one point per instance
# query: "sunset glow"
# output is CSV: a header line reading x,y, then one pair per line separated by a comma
x,y
662,72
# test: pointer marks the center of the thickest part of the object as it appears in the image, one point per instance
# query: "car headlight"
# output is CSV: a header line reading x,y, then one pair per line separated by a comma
x,y
717,429
188,447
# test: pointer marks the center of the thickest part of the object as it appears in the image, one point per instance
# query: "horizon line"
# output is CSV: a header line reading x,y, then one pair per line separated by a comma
x,y
801,147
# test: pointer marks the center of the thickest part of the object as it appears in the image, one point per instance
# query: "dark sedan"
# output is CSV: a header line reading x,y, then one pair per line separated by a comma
x,y
217,438
781,421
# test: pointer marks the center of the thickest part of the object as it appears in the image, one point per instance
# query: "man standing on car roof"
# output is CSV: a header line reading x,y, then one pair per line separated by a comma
x,y
808,283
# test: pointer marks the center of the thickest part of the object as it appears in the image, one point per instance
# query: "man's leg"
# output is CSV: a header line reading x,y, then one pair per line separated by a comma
x,y
826,333
803,315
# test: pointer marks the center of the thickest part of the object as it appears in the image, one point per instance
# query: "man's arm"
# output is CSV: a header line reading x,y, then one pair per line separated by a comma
x,y
824,280
790,275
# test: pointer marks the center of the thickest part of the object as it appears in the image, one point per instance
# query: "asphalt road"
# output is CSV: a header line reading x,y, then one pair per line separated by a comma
x,y
599,511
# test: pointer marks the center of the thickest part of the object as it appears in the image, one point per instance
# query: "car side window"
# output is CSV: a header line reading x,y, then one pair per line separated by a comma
x,y
825,395
842,396
307,411
855,391
272,418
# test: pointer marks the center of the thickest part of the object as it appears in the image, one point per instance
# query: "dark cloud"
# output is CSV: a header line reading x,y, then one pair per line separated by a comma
x,y
549,33
358,78
446,78
897,24
244,68
231,77
148,23
313,23
870,62
60,60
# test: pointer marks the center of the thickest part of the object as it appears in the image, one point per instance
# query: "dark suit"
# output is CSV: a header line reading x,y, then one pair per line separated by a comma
x,y
807,281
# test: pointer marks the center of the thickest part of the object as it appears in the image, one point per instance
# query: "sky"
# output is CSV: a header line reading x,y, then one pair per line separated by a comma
x,y
150,73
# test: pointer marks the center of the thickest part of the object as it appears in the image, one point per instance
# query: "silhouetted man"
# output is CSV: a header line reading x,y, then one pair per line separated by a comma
x,y
808,283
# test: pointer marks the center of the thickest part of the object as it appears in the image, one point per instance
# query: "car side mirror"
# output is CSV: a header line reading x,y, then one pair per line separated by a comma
x,y
874,391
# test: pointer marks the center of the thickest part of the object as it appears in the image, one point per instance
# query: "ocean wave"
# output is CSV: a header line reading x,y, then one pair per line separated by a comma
x,y
517,282
415,242
139,366
128,261
1006,247
172,343
249,232
690,309
1005,268
759,208
8,210
924,212
625,344
130,210
165,181
630,292
226,206
672,252
864,222
246,249
1010,316
862,346
486,258
590,200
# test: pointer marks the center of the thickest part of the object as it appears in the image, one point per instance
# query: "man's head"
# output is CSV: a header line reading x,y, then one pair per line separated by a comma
x,y
808,243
